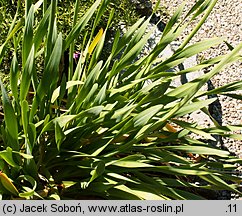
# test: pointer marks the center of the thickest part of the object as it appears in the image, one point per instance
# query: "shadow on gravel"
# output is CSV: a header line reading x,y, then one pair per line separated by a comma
x,y
215,109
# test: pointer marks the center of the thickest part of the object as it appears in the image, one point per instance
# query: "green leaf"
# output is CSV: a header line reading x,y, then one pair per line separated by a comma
x,y
127,36
201,9
89,97
137,36
123,113
143,118
41,30
235,96
50,42
194,49
28,35
94,111
192,107
234,86
133,52
165,156
129,162
201,150
115,41
98,171
196,130
59,135
26,156
50,77
174,19
143,195
80,25
14,75
88,85
32,134
167,187
101,96
29,191
181,170
121,177
146,195
26,76
69,84
25,119
223,129
62,121
215,180
10,119
51,70
195,7
7,155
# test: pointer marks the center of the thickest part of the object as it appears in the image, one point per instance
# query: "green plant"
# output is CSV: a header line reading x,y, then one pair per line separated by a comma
x,y
123,11
100,132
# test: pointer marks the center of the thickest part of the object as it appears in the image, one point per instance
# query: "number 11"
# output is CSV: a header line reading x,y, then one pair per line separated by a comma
x,y
232,208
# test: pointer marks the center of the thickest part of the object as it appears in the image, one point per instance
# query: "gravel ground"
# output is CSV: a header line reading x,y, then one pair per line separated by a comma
x,y
224,21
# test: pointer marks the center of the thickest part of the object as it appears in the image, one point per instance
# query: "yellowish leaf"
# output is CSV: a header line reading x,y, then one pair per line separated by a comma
x,y
7,183
170,128
95,41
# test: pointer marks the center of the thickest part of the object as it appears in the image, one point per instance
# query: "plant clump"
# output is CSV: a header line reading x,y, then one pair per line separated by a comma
x,y
92,127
